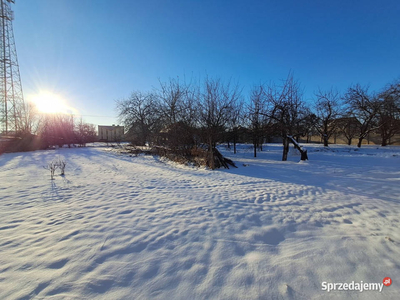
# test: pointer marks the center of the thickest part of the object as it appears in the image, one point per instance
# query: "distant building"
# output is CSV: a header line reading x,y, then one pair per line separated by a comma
x,y
111,133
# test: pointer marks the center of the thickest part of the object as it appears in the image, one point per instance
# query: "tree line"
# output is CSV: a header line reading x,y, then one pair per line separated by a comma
x,y
42,130
181,115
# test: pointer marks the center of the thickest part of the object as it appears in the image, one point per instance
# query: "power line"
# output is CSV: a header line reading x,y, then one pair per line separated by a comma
x,y
94,116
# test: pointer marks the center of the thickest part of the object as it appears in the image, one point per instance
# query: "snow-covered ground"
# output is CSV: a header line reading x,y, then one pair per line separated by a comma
x,y
120,227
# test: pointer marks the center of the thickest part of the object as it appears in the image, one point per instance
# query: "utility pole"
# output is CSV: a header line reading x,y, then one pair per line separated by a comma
x,y
11,96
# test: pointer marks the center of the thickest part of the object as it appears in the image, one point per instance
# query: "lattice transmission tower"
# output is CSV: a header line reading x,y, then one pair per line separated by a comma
x,y
11,96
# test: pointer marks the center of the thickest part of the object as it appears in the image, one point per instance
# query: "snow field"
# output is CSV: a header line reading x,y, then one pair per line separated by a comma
x,y
120,227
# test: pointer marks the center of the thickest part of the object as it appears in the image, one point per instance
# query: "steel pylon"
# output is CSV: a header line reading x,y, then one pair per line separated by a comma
x,y
11,96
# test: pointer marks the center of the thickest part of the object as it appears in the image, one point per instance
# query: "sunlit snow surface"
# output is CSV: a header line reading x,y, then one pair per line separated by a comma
x,y
120,227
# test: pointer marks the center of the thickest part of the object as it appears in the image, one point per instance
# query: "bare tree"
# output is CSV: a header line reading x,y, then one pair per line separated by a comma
x,y
176,115
173,95
85,133
364,106
389,112
256,115
235,121
29,119
307,125
328,110
349,126
287,109
140,115
215,106
57,129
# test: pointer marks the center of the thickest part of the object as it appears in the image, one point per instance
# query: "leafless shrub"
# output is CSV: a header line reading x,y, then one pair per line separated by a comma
x,y
61,164
52,166
57,163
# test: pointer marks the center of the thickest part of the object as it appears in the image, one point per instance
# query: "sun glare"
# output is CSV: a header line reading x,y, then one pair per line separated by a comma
x,y
48,102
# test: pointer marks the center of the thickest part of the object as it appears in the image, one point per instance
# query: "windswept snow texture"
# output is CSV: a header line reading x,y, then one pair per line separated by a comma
x,y
120,227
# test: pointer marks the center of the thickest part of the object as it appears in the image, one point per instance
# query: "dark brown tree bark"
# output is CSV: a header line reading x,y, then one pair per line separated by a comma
x,y
285,148
304,155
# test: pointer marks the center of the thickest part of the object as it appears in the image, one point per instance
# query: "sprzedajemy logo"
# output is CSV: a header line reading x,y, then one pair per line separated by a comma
x,y
356,286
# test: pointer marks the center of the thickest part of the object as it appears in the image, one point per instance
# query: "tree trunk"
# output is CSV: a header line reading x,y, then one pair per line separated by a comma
x,y
211,155
325,140
385,138
285,149
303,152
220,161
234,140
359,142
255,148
304,155
349,141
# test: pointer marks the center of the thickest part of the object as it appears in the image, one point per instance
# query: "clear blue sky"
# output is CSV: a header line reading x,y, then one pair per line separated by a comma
x,y
94,52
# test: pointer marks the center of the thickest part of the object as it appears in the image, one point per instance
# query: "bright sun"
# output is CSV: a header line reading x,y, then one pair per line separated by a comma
x,y
48,102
